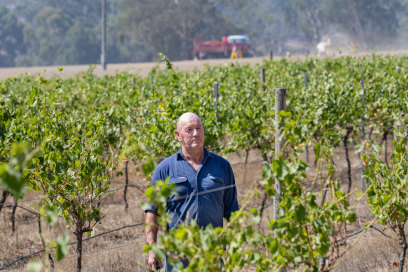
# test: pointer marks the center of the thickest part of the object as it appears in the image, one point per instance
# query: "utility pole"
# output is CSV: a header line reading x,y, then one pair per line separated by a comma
x,y
103,42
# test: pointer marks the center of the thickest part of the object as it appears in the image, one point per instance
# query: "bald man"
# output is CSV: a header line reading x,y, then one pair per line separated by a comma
x,y
206,191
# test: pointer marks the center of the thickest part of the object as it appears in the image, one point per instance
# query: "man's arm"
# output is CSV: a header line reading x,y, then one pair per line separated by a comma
x,y
151,231
230,195
152,227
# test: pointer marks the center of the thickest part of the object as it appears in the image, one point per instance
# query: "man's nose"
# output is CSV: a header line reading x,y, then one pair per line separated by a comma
x,y
195,131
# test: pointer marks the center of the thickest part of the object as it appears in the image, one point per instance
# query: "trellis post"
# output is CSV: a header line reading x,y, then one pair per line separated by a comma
x,y
215,95
280,105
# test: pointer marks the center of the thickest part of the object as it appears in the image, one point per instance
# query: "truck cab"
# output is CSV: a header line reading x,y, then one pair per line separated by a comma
x,y
238,39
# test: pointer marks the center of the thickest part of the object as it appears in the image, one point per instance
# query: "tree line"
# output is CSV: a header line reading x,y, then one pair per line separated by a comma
x,y
57,32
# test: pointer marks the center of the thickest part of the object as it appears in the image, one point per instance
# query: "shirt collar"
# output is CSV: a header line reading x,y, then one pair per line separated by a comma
x,y
180,155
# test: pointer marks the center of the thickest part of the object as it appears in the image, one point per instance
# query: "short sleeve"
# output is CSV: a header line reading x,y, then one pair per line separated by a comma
x,y
160,173
230,196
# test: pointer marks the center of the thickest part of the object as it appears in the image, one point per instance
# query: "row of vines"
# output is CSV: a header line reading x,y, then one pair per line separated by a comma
x,y
77,132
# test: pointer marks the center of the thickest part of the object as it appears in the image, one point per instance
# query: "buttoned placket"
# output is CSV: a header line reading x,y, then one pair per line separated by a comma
x,y
198,188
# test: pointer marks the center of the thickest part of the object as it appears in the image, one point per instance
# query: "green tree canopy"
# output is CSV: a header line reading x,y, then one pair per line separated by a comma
x,y
171,26
79,46
11,37
371,22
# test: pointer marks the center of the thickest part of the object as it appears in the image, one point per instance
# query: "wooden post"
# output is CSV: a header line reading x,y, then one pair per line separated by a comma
x,y
13,217
126,186
271,55
280,105
362,134
262,74
215,96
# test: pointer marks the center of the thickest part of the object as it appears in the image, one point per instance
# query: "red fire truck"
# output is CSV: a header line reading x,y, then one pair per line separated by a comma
x,y
224,48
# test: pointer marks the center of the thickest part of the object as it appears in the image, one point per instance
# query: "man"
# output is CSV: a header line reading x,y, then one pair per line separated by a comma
x,y
206,186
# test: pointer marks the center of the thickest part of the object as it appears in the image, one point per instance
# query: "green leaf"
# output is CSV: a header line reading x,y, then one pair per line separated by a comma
x,y
274,246
148,167
51,215
297,259
359,148
146,248
62,247
300,213
35,266
12,181
256,216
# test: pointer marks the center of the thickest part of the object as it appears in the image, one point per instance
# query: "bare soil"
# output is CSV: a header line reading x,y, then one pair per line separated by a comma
x,y
142,69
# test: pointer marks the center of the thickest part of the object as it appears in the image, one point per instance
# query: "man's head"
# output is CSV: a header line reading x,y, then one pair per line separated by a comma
x,y
190,131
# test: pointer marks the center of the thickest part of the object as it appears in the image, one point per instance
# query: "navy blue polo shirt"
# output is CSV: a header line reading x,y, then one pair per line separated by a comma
x,y
207,195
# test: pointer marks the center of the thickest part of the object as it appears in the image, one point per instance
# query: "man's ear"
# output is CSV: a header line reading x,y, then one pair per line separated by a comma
x,y
177,135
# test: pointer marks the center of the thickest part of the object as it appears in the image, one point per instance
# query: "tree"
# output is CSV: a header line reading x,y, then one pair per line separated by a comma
x,y
11,37
78,47
370,22
60,32
269,24
51,26
171,26
309,18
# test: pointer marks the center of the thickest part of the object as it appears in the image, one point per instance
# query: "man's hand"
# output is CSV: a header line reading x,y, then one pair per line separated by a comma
x,y
153,262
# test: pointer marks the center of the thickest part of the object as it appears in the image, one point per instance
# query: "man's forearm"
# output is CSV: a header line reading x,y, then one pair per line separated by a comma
x,y
153,262
151,228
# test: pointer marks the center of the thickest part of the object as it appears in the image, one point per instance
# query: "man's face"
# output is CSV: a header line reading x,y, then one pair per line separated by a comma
x,y
191,133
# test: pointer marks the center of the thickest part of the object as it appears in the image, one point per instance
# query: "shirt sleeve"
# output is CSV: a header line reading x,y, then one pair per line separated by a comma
x,y
157,175
230,196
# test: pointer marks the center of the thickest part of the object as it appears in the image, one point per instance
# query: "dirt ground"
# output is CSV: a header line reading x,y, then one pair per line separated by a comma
x,y
143,69
121,250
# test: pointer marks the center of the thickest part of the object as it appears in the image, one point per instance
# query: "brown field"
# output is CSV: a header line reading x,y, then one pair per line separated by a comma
x,y
143,69
121,250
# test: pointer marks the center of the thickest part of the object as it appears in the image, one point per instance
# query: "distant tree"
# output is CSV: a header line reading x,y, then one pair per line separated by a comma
x,y
370,22
269,24
11,37
31,43
308,16
171,26
403,21
51,26
78,47
60,32
87,12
